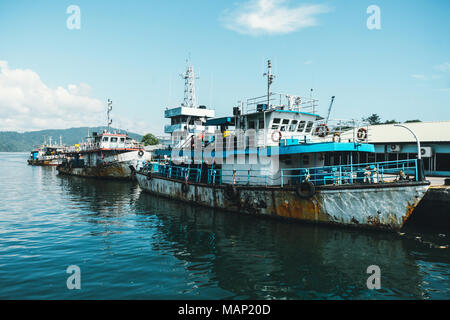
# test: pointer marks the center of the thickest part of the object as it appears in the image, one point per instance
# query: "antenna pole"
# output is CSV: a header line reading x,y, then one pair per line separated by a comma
x,y
270,78
108,113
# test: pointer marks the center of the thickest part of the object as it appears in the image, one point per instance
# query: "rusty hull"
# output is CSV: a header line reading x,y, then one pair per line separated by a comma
x,y
44,163
111,171
381,206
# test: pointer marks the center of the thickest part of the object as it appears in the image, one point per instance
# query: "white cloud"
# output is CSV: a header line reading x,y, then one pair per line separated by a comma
x,y
308,62
443,67
26,103
258,17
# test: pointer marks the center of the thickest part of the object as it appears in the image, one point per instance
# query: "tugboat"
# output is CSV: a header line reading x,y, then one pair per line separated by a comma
x,y
105,155
47,155
276,157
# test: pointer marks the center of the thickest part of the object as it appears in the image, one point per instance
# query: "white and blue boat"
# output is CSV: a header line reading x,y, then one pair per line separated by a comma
x,y
276,157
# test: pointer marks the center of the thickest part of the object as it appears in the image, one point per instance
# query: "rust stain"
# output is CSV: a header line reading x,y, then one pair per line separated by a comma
x,y
409,212
303,209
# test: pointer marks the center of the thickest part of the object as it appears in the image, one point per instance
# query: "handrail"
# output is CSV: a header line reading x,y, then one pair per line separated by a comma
x,y
374,172
176,172
347,174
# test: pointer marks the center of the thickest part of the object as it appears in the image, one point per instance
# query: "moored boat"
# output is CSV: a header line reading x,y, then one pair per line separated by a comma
x,y
47,154
107,154
276,157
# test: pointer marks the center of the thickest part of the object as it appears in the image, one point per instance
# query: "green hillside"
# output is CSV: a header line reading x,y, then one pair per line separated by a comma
x,y
21,142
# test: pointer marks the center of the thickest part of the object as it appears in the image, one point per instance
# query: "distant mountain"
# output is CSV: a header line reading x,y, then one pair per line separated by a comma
x,y
11,141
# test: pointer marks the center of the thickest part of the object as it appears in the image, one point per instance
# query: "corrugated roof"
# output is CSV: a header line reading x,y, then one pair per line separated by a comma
x,y
426,132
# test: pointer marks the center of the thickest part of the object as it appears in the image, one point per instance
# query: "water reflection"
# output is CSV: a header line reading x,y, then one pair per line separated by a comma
x,y
255,258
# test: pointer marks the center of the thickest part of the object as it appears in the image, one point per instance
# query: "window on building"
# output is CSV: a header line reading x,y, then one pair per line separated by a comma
x,y
442,161
251,124
309,126
301,126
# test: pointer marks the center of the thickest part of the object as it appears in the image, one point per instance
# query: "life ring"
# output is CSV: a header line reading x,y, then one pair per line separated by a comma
x,y
230,192
362,134
276,133
185,187
140,153
337,137
322,130
305,190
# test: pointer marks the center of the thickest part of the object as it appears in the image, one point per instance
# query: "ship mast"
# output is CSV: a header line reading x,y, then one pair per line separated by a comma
x,y
190,100
270,78
108,113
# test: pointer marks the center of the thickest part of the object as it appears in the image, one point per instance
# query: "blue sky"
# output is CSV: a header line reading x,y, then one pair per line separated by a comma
x,y
133,52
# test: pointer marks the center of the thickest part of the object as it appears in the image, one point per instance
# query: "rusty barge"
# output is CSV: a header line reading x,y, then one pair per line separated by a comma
x,y
109,155
275,157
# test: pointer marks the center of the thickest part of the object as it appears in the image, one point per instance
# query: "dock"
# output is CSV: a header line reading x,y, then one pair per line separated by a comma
x,y
433,212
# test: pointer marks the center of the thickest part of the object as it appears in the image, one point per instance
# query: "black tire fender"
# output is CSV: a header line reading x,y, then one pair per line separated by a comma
x,y
305,190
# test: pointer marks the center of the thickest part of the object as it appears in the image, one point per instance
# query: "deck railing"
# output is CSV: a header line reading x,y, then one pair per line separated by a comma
x,y
375,172
175,172
237,177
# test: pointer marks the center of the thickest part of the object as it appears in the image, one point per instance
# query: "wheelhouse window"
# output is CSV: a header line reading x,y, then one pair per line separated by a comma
x,y
276,124
293,125
105,139
113,139
301,126
285,125
122,139
309,126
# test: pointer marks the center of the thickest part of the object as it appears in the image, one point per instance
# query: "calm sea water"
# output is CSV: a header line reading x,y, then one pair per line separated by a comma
x,y
131,245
